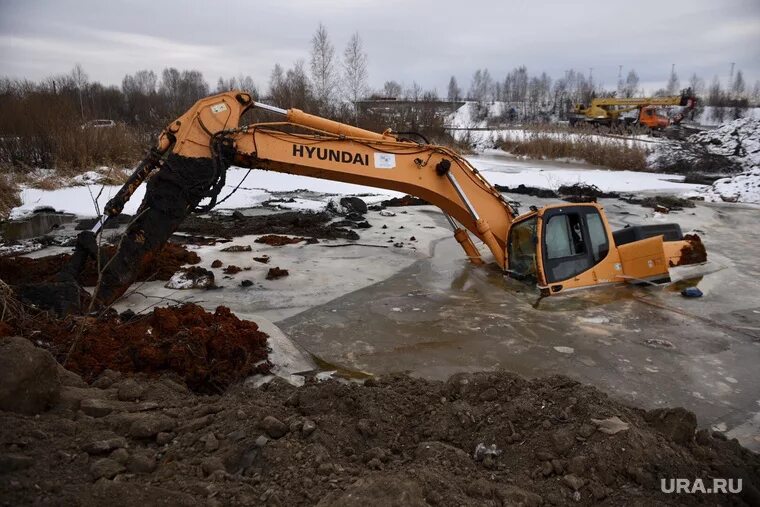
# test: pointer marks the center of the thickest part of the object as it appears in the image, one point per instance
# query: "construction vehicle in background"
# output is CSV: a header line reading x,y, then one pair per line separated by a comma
x,y
611,111
561,247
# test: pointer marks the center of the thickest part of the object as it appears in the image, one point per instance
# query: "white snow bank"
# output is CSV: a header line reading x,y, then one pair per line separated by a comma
x,y
257,188
738,139
502,171
744,187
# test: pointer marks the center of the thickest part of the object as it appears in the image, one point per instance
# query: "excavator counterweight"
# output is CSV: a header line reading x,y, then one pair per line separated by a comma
x,y
560,247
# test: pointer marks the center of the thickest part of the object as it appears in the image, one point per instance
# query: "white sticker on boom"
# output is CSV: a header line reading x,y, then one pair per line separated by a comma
x,y
218,108
385,160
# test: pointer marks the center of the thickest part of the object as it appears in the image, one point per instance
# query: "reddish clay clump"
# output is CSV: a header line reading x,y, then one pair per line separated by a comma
x,y
208,350
263,259
216,264
161,266
277,240
693,252
232,269
275,273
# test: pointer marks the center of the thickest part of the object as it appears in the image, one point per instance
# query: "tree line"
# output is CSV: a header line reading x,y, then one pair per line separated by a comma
x,y
328,83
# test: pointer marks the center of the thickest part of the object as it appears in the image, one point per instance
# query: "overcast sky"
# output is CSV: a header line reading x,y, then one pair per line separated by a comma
x,y
406,40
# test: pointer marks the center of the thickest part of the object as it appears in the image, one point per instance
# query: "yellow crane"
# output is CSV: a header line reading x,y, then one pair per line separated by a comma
x,y
609,110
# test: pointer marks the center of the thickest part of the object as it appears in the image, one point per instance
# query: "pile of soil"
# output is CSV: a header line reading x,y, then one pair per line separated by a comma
x,y
578,192
208,351
526,190
485,439
407,200
583,192
658,202
277,240
21,270
296,223
693,252
276,272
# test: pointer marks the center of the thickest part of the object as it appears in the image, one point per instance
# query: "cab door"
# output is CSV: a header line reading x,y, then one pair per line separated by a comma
x,y
574,239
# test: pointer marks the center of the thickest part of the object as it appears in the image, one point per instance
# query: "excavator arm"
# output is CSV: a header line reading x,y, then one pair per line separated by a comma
x,y
309,145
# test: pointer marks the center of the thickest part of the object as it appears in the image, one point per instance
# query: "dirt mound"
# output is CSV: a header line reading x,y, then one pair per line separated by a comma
x,y
276,272
583,192
485,439
18,270
526,190
658,202
296,223
277,240
208,351
407,200
693,252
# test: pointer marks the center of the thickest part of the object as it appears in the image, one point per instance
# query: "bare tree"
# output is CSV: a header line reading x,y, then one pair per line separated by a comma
x,y
455,93
392,89
631,86
80,78
323,73
738,87
355,69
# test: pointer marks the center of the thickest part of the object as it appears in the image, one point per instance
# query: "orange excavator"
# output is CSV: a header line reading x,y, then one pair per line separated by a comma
x,y
561,247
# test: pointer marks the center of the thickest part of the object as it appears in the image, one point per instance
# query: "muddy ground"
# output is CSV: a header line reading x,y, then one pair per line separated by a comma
x,y
477,439
154,434
314,225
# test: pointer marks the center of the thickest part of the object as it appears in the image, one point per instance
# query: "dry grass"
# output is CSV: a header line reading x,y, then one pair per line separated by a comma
x,y
596,150
9,196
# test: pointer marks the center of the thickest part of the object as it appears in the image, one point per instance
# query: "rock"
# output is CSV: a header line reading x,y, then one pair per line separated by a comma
x,y
11,462
308,427
211,465
217,264
586,430
194,277
577,465
547,469
69,378
261,441
237,248
563,440
164,438
106,468
140,463
212,443
489,394
377,490
246,283
120,456
274,427
150,425
29,382
573,482
106,379
611,425
95,407
276,272
104,446
353,205
678,424
512,495
130,390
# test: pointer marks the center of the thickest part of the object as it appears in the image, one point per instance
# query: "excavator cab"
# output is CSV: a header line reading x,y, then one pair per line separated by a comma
x,y
564,247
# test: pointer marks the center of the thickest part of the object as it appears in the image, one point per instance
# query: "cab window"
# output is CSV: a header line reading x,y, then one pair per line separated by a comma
x,y
574,240
522,249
